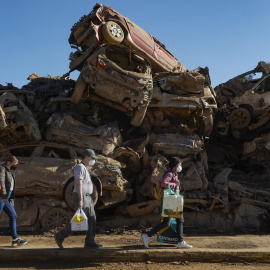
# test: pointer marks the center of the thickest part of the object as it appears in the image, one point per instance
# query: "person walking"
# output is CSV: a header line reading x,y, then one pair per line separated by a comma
x,y
171,178
7,186
81,196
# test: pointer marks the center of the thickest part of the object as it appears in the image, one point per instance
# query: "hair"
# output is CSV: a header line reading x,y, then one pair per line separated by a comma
x,y
11,159
174,161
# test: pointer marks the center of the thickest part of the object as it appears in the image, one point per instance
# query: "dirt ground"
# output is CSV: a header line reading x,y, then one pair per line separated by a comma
x,y
131,240
142,266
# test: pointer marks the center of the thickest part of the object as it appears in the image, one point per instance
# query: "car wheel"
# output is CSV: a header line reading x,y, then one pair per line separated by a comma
x,y
55,219
68,194
240,118
113,32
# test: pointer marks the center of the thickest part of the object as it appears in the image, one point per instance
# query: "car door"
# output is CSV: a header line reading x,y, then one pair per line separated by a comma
x,y
50,169
163,56
261,99
140,37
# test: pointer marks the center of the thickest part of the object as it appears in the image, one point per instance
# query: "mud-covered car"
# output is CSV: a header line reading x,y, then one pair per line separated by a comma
x,y
186,95
104,24
117,77
245,97
34,212
17,123
46,169
63,128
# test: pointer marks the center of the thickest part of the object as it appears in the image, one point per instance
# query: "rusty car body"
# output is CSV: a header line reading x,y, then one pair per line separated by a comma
x,y
17,124
63,128
49,214
46,169
119,78
185,95
104,24
246,97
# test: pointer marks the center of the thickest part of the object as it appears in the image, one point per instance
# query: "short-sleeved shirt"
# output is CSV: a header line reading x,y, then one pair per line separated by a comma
x,y
81,172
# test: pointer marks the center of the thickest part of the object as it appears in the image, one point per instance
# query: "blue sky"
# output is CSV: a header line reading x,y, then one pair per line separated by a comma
x,y
230,37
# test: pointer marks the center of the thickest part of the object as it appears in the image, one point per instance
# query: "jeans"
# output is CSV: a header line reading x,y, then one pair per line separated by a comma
x,y
166,223
10,211
88,208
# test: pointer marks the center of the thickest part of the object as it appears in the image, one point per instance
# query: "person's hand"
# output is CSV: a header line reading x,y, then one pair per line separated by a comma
x,y
177,182
80,204
4,201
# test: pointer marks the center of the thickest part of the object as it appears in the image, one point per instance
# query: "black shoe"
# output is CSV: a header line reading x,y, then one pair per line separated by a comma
x,y
92,245
58,241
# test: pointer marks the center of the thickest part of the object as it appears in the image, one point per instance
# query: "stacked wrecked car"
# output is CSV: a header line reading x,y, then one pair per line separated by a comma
x,y
136,105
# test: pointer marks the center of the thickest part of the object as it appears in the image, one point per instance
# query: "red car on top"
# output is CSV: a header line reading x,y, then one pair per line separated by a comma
x,y
105,25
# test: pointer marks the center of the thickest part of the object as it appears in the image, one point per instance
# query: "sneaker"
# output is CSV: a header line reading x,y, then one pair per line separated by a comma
x,y
58,241
145,239
183,244
18,242
92,245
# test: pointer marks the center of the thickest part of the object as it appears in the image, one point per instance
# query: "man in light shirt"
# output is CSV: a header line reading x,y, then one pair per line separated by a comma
x,y
81,196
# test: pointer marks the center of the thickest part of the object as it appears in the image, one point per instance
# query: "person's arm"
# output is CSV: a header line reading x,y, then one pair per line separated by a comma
x,y
3,184
79,191
167,179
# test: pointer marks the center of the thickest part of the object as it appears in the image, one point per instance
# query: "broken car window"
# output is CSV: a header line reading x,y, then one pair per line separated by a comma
x,y
22,151
53,152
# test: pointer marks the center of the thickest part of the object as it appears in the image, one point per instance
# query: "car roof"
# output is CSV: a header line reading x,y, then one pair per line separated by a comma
x,y
42,143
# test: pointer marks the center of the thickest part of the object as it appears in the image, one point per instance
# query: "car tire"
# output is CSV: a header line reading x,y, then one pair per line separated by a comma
x,y
79,89
240,118
113,32
68,194
55,219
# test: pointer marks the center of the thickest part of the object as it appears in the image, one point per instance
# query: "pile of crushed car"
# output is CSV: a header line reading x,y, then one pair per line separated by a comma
x,y
136,105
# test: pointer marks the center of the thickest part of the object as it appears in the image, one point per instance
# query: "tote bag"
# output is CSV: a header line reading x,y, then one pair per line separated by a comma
x,y
172,204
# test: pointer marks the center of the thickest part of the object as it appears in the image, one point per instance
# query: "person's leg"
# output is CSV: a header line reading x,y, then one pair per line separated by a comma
x,y
88,208
165,223
60,236
10,211
179,228
146,236
1,205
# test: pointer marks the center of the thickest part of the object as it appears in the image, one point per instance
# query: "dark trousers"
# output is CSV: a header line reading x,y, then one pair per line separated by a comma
x,y
10,211
88,208
166,223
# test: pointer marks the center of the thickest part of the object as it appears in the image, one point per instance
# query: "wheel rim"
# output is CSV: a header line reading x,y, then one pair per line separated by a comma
x,y
240,119
56,220
115,30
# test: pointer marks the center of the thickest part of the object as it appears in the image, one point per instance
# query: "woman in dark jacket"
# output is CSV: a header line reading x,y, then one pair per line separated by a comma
x,y
7,185
171,178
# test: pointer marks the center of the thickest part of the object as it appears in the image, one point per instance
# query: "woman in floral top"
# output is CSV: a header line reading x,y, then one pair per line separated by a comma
x,y
171,178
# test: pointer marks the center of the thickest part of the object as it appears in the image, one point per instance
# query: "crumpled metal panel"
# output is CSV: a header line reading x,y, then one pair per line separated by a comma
x,y
17,122
63,128
109,171
176,144
250,218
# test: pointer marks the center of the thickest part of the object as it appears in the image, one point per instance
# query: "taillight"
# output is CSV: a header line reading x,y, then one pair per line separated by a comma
x,y
101,63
